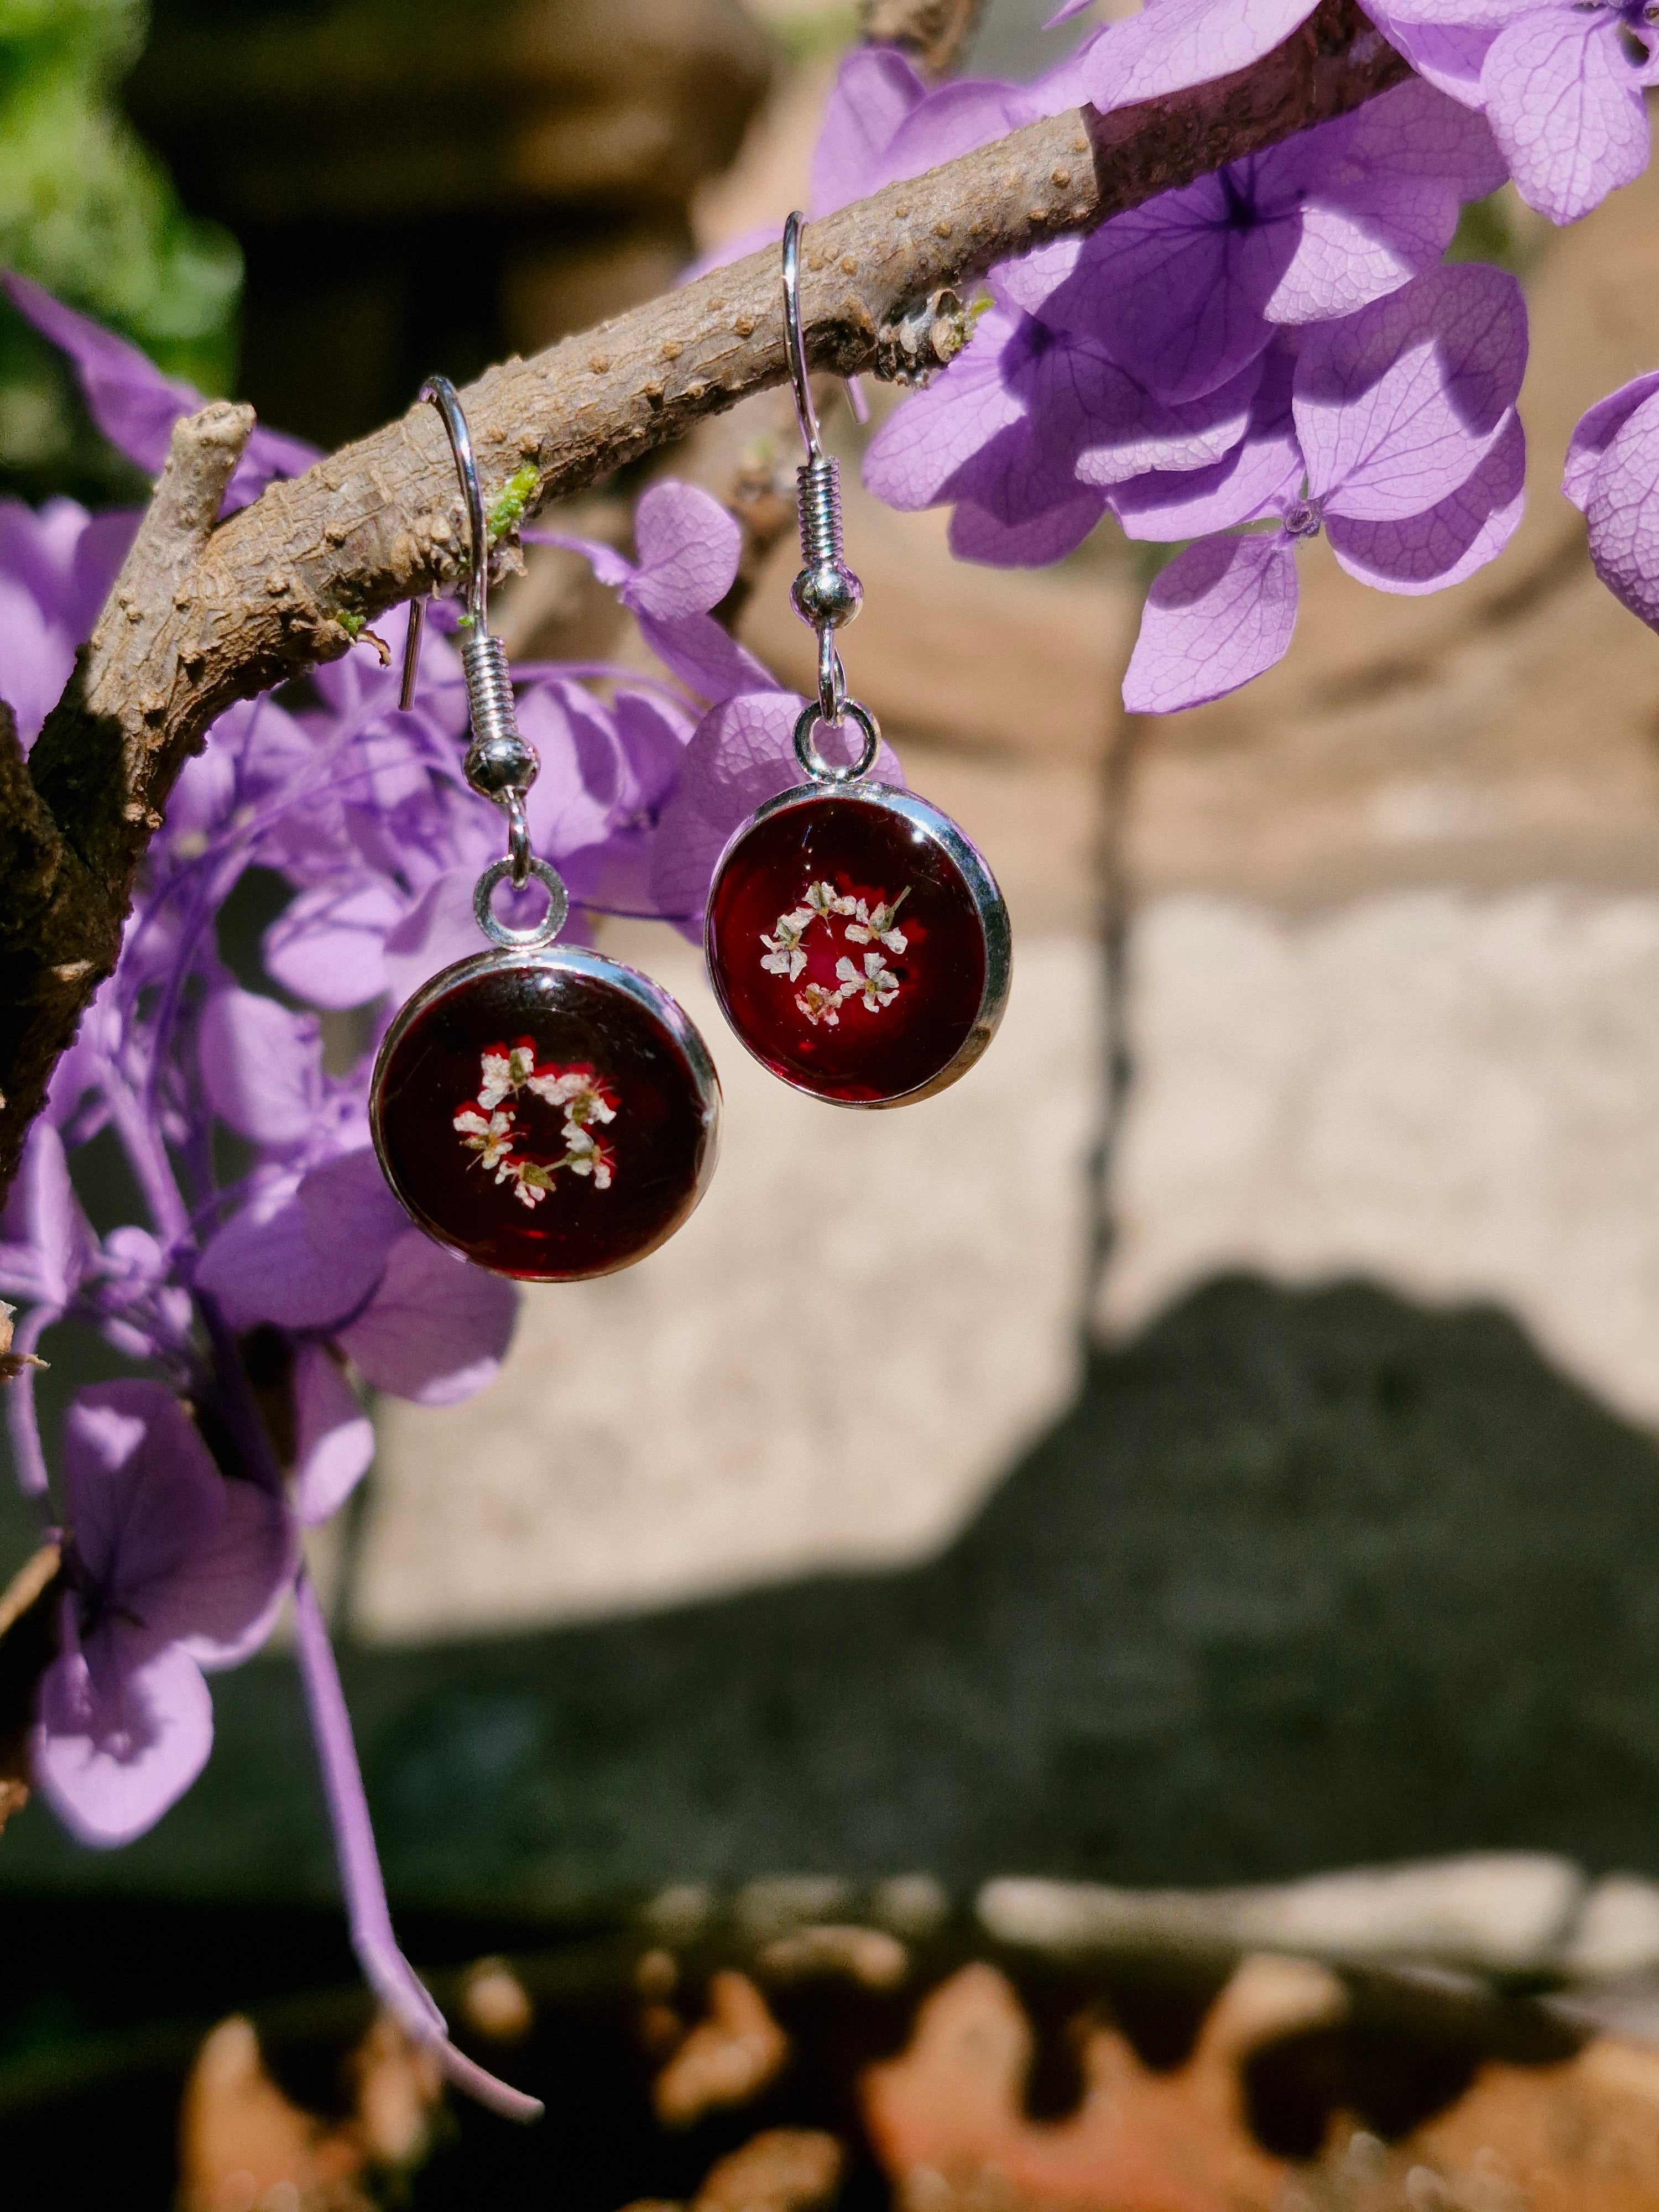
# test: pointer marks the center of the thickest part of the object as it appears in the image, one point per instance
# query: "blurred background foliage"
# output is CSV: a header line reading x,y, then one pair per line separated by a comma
x,y
88,211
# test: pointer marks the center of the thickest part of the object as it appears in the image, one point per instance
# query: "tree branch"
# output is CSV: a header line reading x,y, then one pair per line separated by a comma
x,y
196,623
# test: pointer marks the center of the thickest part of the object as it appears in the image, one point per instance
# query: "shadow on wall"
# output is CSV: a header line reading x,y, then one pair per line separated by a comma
x,y
1305,1578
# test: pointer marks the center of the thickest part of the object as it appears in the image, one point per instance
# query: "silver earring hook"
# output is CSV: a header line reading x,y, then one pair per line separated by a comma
x,y
806,414
443,395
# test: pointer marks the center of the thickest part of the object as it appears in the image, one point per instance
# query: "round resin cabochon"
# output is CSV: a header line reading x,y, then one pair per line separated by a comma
x,y
858,943
551,1114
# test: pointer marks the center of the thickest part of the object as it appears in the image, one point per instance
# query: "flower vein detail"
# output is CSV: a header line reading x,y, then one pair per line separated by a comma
x,y
488,1126
862,924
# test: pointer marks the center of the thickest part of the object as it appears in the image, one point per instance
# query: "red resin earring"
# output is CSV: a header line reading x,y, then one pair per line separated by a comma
x,y
550,1113
856,941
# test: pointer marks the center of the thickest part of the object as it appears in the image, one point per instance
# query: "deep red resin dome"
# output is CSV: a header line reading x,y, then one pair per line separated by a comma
x,y
850,935
551,1114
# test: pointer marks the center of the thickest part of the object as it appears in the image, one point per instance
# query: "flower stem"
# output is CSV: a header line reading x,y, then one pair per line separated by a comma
x,y
22,1426
388,1973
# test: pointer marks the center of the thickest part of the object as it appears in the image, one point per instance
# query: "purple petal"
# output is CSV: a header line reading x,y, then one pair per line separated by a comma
x,y
956,119
1397,405
1446,55
127,396
329,946
1377,198
689,549
1414,131
1256,478
270,456
1566,108
1027,285
911,459
121,1732
48,1234
1132,432
874,91
1486,15
36,657
1032,542
436,1330
741,754
335,1438
707,659
437,931
1622,511
136,406
610,567
571,801
652,737
306,1256
170,1546
1172,43
1596,430
262,1067
56,570
1469,527
1220,613
225,1600
1168,292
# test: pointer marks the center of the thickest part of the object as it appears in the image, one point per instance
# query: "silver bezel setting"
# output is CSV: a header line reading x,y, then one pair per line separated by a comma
x,y
988,905
571,960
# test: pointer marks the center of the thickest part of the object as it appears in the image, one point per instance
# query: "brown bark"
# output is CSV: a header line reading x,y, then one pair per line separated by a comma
x,y
201,617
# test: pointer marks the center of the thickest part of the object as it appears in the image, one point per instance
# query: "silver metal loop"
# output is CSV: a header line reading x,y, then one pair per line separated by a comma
x,y
794,343
444,397
519,858
832,680
539,933
823,771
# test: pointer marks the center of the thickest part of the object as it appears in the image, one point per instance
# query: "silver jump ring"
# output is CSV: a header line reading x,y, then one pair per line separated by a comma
x,y
539,933
823,771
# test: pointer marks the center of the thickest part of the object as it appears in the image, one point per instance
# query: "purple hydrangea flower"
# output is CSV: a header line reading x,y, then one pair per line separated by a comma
x,y
1612,476
1141,349
1401,442
1188,289
1561,82
172,1569
1026,432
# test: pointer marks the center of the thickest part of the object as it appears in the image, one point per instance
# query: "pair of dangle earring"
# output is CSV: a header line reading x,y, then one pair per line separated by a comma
x,y
553,1115
550,1113
856,941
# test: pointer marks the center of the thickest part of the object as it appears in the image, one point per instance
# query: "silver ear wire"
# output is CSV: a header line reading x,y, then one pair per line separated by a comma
x,y
826,593
499,763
